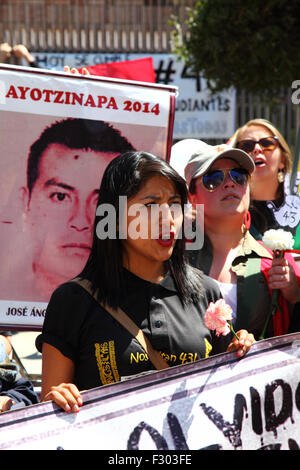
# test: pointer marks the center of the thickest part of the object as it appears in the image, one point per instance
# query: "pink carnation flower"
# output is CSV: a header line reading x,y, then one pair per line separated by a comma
x,y
216,317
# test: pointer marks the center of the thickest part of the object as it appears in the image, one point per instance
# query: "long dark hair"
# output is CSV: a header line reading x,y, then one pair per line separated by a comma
x,y
124,176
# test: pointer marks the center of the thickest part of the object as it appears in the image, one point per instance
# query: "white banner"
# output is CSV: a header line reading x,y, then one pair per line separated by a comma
x,y
58,132
84,97
217,403
198,114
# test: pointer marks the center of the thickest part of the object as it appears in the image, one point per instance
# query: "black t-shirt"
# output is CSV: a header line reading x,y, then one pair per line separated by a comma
x,y
104,352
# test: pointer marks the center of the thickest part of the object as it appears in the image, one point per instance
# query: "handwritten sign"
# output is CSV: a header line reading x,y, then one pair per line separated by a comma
x,y
217,403
287,215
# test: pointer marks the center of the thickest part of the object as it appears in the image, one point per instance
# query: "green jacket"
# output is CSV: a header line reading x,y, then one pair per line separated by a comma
x,y
253,297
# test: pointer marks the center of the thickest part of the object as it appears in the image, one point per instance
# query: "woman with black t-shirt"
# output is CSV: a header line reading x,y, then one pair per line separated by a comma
x,y
137,263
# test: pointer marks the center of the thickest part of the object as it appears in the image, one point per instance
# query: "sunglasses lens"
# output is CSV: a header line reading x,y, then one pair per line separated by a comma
x,y
212,180
268,143
246,145
239,176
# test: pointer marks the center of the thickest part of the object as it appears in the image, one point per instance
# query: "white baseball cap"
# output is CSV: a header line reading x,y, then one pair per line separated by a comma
x,y
202,159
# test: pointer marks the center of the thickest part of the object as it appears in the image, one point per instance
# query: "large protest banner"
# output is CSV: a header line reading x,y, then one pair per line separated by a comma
x,y
58,132
216,403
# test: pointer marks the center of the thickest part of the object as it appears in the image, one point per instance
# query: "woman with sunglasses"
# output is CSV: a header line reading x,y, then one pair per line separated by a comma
x,y
219,179
147,276
272,205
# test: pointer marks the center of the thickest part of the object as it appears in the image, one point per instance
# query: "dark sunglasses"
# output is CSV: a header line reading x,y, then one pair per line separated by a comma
x,y
267,143
213,179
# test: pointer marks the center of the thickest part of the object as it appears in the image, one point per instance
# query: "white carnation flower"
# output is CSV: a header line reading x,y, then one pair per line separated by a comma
x,y
278,240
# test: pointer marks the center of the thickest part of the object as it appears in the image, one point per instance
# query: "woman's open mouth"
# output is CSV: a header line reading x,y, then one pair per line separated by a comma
x,y
166,240
258,162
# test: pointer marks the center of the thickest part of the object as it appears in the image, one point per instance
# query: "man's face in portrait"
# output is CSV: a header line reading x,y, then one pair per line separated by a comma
x,y
60,211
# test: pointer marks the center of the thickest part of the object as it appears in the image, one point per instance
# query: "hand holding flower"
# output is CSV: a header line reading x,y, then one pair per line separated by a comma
x,y
243,344
282,277
218,317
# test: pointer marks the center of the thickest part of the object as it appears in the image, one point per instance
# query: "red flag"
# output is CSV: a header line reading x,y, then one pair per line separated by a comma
x,y
140,70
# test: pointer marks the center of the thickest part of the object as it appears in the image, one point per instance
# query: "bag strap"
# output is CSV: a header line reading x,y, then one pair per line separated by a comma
x,y
157,360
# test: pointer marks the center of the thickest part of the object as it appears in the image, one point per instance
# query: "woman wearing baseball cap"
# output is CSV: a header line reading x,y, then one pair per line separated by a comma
x,y
219,178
